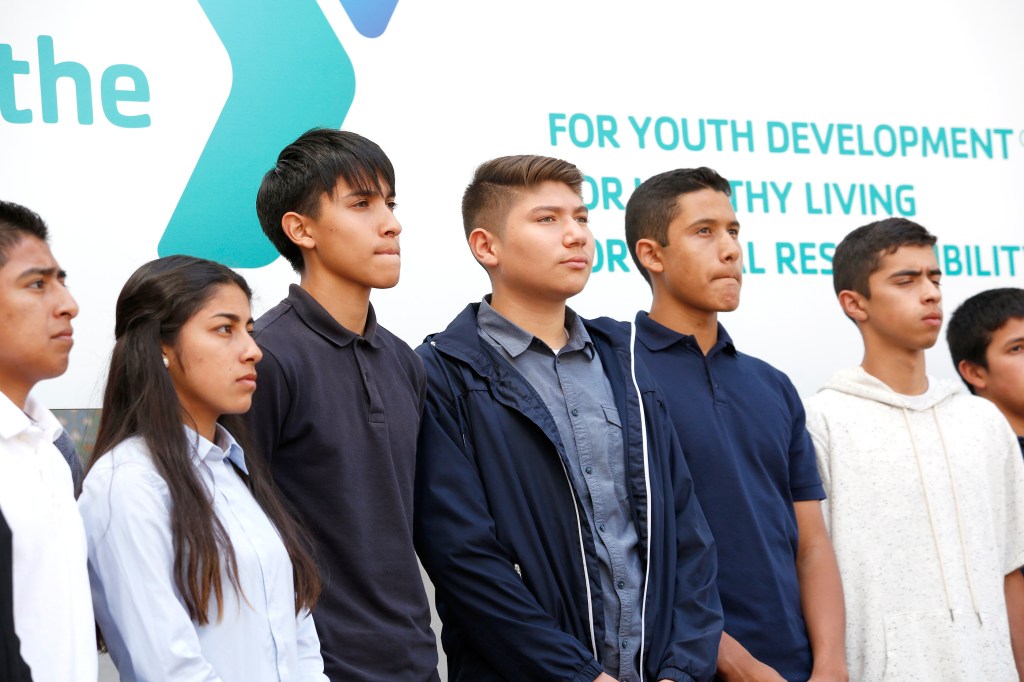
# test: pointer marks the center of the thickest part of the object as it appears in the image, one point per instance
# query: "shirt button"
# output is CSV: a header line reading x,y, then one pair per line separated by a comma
x,y
621,584
575,412
625,644
588,470
601,527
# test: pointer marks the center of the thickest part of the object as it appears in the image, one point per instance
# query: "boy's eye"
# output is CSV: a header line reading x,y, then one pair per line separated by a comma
x,y
392,205
583,218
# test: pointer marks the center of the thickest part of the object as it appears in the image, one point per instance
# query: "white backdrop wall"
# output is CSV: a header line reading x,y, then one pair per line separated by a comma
x,y
825,116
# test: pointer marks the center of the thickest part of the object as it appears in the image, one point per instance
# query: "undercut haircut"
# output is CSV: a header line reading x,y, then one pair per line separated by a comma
x,y
498,184
655,204
16,222
310,167
860,253
972,325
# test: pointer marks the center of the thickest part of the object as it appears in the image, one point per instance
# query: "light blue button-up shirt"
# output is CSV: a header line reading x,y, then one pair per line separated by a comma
x,y
125,505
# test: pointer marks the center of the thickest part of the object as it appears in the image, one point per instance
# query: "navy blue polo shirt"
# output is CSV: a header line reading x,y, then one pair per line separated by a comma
x,y
337,415
741,424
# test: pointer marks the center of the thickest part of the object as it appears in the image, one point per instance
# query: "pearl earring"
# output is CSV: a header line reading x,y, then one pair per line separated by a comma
x,y
167,363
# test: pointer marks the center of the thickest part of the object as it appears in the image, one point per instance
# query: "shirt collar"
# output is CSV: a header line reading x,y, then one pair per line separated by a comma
x,y
319,320
14,420
658,337
515,340
224,447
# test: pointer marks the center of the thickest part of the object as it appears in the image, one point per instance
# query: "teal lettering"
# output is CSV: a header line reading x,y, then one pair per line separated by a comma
x,y
611,189
640,130
1011,253
778,137
555,126
799,137
754,270
607,126
807,257
50,71
702,140
9,68
617,255
951,256
908,138
882,151
936,143
957,135
823,142
746,134
845,135
785,254
673,140
587,138
110,95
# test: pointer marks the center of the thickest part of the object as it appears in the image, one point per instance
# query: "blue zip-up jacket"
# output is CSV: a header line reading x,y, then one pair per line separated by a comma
x,y
502,534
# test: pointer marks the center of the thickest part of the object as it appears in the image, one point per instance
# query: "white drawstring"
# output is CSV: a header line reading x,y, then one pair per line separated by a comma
x,y
959,520
928,507
647,488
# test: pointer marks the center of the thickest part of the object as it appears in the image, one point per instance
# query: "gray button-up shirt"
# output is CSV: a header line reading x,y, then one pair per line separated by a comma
x,y
573,386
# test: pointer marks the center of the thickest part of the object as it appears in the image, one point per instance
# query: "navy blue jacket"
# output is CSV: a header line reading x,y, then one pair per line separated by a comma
x,y
500,530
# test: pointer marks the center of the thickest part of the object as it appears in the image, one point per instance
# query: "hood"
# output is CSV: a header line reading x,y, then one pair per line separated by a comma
x,y
857,382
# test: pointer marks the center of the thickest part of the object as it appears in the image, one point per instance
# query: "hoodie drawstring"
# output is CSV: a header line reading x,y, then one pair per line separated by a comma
x,y
959,520
931,519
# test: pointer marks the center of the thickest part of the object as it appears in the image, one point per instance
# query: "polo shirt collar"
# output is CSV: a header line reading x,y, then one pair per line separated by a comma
x,y
515,340
658,337
13,420
224,447
316,317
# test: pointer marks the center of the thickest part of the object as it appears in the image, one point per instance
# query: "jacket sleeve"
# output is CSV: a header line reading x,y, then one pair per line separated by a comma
x,y
697,620
479,593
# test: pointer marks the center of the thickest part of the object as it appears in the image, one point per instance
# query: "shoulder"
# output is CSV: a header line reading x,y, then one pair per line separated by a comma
x,y
277,324
127,467
771,376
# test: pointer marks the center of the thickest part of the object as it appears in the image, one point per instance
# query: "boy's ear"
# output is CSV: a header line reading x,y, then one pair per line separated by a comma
x,y
854,304
974,374
648,252
299,229
486,247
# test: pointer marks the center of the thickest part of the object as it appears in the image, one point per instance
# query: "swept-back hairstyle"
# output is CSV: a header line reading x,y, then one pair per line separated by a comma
x,y
497,184
860,253
140,400
16,222
655,204
310,167
972,325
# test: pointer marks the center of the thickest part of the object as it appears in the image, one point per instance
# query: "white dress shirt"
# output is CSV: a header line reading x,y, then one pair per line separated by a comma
x,y
126,507
52,609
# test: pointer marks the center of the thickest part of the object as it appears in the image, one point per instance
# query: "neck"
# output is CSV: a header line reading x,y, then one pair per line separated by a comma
x,y
700,324
16,391
347,302
543,319
901,370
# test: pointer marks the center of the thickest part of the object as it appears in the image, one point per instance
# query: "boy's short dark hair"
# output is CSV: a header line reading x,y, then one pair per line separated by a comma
x,y
655,204
497,183
311,166
16,221
860,253
972,325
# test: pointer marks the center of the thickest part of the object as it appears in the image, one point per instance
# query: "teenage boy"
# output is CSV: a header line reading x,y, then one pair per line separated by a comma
x,y
339,401
741,425
925,483
554,511
986,340
53,615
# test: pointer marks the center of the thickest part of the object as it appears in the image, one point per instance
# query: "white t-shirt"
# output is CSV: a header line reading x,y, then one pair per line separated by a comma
x,y
52,603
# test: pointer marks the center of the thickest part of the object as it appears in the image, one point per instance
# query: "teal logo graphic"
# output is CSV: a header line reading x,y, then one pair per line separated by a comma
x,y
289,73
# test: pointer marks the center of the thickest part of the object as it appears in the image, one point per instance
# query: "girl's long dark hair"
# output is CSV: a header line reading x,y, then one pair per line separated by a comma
x,y
140,400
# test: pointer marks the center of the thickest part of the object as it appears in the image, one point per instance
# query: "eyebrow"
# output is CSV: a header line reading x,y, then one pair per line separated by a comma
x,y
368,193
45,272
232,317
558,209
914,273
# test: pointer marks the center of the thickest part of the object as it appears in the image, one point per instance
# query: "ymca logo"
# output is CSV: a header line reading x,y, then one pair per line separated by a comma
x,y
289,73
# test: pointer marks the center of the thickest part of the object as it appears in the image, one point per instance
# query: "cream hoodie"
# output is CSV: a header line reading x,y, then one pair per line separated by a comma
x,y
926,512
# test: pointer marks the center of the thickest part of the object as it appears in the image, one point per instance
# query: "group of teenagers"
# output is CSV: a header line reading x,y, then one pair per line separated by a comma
x,y
592,500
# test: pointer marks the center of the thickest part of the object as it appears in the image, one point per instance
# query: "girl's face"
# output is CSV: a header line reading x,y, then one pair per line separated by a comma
x,y
213,362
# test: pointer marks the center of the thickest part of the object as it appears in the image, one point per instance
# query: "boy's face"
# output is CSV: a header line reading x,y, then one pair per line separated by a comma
x,y
356,238
1003,380
702,262
546,249
35,318
905,308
